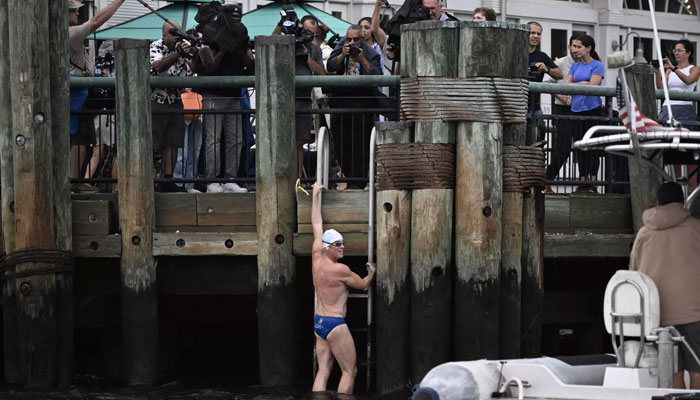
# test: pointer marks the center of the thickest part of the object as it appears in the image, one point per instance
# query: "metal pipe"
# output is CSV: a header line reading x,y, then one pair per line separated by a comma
x,y
203,82
665,346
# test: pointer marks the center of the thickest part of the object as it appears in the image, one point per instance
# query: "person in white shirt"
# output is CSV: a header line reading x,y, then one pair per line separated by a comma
x,y
682,76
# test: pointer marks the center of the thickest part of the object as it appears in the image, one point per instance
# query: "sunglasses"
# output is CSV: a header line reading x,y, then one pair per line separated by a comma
x,y
337,244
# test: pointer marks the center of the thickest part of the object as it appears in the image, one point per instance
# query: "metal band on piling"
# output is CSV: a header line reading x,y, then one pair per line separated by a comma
x,y
523,168
482,99
403,166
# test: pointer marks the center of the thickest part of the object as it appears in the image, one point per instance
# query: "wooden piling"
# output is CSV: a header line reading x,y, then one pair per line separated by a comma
x,y
644,181
532,289
393,210
36,322
511,253
7,196
511,275
485,51
275,168
136,212
60,124
429,50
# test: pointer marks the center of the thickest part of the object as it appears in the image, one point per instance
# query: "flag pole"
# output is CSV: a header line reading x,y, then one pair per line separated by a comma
x,y
657,42
630,116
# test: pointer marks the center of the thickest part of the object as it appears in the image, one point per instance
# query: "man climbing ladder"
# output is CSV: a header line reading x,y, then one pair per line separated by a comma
x,y
332,281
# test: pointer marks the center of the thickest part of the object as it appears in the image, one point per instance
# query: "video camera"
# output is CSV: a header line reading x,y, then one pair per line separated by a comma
x,y
291,25
221,27
188,38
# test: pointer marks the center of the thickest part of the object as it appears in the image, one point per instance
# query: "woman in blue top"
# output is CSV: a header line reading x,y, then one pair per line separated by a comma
x,y
588,71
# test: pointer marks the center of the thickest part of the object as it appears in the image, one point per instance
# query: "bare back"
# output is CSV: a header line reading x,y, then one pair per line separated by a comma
x,y
332,293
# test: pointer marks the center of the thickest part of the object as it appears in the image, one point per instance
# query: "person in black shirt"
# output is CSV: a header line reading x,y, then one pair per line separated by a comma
x,y
239,62
539,64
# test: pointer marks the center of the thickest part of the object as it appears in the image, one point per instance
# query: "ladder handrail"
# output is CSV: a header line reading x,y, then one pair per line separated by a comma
x,y
322,160
370,242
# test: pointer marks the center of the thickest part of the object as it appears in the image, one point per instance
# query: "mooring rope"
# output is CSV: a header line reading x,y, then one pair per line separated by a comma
x,y
403,166
63,261
523,168
482,99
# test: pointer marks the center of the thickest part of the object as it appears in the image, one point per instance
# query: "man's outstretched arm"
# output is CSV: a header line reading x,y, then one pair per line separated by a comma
x,y
105,14
316,220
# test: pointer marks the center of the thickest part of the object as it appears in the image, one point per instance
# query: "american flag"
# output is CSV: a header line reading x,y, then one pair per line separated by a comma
x,y
642,123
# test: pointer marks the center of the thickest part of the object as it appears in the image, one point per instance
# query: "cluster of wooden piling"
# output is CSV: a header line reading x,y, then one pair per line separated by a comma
x,y
458,276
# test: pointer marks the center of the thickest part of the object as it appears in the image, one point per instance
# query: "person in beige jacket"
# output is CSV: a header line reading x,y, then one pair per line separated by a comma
x,y
667,249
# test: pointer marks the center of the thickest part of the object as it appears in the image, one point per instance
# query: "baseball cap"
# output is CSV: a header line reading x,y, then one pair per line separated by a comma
x,y
72,5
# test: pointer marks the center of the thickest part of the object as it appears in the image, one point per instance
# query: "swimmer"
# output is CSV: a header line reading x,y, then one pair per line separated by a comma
x,y
332,281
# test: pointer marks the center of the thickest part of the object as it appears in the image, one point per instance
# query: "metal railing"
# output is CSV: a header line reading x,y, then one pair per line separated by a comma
x,y
611,177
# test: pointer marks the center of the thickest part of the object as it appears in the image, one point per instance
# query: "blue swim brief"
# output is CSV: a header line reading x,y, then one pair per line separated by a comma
x,y
324,325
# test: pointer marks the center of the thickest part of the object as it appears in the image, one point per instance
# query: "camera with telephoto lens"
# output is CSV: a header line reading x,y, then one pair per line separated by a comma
x,y
355,50
534,68
186,38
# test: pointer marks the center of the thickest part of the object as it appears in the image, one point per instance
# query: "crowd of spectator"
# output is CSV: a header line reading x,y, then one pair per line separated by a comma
x,y
223,138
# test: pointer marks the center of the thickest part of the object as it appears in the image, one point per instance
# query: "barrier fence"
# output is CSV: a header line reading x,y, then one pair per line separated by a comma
x,y
349,119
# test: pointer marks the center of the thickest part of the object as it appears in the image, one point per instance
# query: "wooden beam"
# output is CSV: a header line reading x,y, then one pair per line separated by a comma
x,y
275,168
587,245
601,212
92,217
393,226
226,209
30,80
557,211
509,311
136,212
10,355
175,209
644,181
431,51
60,124
339,207
205,244
97,246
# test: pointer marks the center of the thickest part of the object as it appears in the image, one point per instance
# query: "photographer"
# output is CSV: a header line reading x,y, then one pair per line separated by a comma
x,y
351,132
168,58
82,130
539,65
231,57
309,61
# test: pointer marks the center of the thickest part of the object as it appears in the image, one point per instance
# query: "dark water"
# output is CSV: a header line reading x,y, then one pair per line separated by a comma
x,y
174,391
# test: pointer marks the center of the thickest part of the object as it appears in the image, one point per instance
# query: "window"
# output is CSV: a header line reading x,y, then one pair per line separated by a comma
x,y
337,14
685,7
559,43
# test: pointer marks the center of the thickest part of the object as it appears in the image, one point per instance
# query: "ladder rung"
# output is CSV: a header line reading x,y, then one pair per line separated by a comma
x,y
358,296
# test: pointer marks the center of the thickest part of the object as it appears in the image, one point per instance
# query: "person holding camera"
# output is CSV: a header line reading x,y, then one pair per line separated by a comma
x,y
309,61
350,133
231,57
540,64
82,130
168,58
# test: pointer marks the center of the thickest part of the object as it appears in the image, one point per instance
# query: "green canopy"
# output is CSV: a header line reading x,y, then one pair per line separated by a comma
x,y
261,21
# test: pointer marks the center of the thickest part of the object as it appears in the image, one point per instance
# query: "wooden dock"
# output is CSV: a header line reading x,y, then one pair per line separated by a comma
x,y
223,224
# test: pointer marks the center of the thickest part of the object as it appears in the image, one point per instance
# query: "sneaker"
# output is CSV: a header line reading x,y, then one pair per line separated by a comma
x,y
214,188
233,188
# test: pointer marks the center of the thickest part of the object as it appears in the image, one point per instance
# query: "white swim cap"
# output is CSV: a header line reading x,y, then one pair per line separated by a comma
x,y
331,236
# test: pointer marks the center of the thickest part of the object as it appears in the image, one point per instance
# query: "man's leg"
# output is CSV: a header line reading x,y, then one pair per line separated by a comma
x,y
325,365
212,126
233,129
695,380
343,349
678,382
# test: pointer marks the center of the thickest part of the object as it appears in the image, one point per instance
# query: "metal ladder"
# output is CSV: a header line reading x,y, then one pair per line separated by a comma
x,y
322,177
